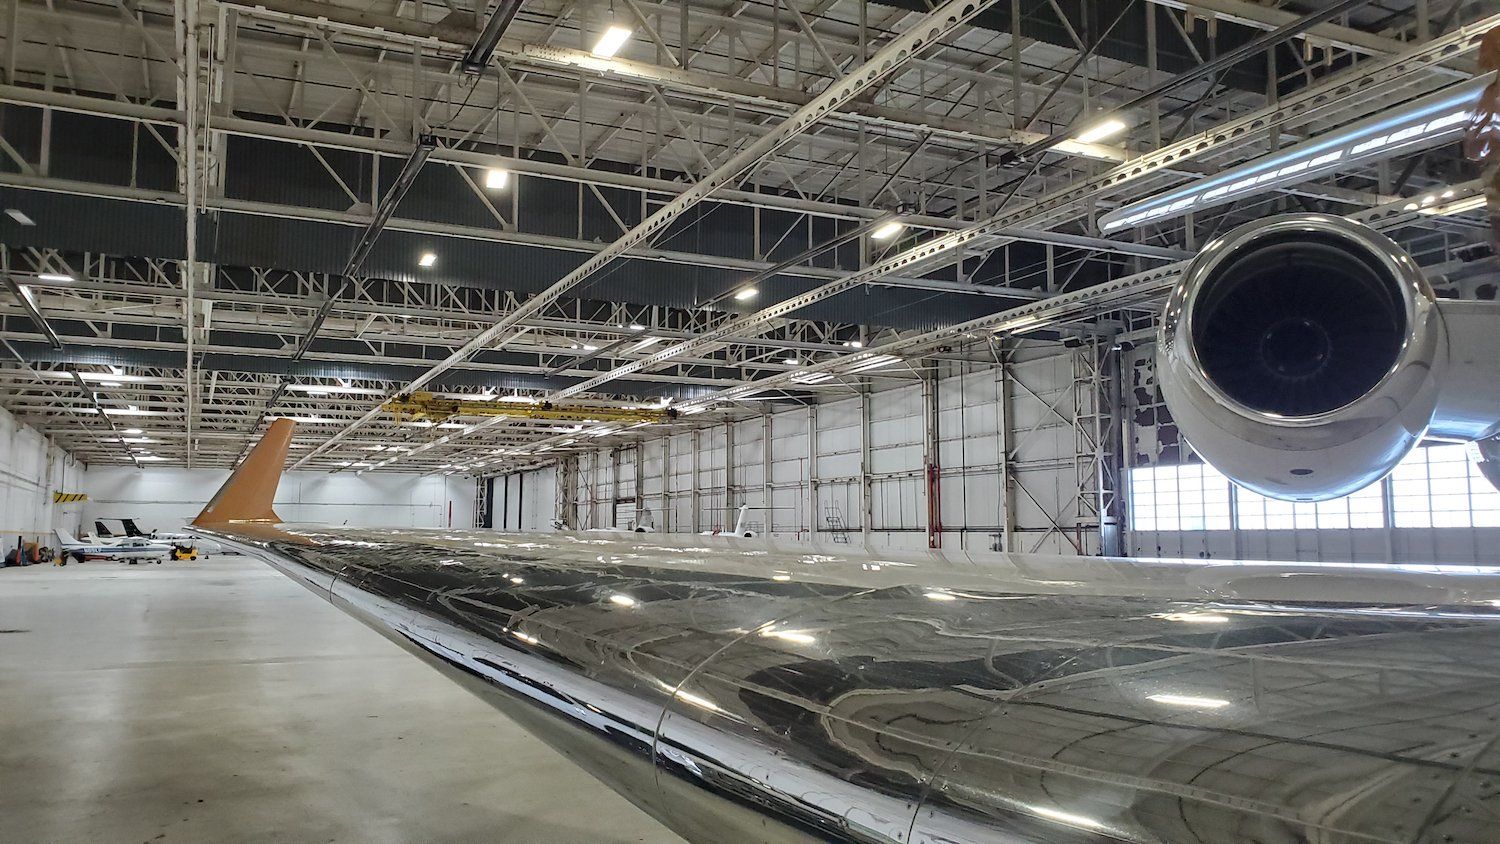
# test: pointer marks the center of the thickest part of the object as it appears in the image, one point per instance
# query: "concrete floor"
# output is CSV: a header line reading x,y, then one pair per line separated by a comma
x,y
219,701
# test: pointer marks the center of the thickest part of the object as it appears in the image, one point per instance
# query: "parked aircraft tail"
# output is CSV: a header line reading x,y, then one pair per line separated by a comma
x,y
101,530
131,529
66,538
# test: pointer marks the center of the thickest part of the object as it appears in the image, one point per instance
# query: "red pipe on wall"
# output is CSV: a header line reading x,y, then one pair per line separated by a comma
x,y
934,506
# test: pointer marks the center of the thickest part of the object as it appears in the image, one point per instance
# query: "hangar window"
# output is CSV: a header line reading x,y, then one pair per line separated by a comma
x,y
1363,509
1434,487
1438,487
1192,496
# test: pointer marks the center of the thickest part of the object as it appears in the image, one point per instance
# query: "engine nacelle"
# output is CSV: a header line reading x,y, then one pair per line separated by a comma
x,y
1302,356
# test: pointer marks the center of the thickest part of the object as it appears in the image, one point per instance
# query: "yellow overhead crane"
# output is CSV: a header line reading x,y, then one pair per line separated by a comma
x,y
426,406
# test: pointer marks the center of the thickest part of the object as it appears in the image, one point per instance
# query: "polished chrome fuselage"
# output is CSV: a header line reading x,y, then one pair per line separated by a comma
x,y
742,691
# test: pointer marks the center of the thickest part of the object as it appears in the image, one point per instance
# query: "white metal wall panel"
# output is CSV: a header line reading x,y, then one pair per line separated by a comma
x,y
31,469
838,439
169,497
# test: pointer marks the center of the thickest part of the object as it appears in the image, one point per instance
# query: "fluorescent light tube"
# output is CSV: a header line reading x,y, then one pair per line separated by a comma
x,y
1102,130
875,362
1471,203
1421,124
611,41
888,230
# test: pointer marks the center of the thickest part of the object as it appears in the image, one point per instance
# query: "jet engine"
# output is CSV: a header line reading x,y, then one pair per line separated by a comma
x,y
1304,355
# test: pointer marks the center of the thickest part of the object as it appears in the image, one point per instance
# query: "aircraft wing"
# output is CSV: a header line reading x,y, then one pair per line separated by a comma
x,y
744,691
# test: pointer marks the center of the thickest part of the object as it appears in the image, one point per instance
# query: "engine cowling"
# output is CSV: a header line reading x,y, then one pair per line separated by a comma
x,y
1302,355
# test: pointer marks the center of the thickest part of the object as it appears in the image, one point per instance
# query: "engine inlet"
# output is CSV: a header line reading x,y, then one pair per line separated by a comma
x,y
1298,325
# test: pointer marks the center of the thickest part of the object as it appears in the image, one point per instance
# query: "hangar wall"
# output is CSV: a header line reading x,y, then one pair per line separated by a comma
x,y
859,469
1031,418
31,469
168,497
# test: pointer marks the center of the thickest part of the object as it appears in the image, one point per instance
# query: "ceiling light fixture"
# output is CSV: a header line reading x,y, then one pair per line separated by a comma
x,y
1421,124
53,277
888,230
808,378
1102,130
328,390
495,178
746,294
427,259
611,41
1459,206
873,362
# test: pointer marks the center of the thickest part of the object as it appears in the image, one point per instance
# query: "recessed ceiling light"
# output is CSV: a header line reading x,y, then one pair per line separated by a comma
x,y
611,41
20,216
747,294
495,178
888,231
53,277
427,259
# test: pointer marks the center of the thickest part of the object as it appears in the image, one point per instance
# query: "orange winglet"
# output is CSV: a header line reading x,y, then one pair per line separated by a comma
x,y
248,494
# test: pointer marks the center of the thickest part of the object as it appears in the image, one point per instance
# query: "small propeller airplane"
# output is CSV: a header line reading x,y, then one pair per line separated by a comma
x,y
184,543
131,549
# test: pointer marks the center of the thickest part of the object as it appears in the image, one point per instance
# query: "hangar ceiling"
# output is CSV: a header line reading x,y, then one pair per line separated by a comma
x,y
190,180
